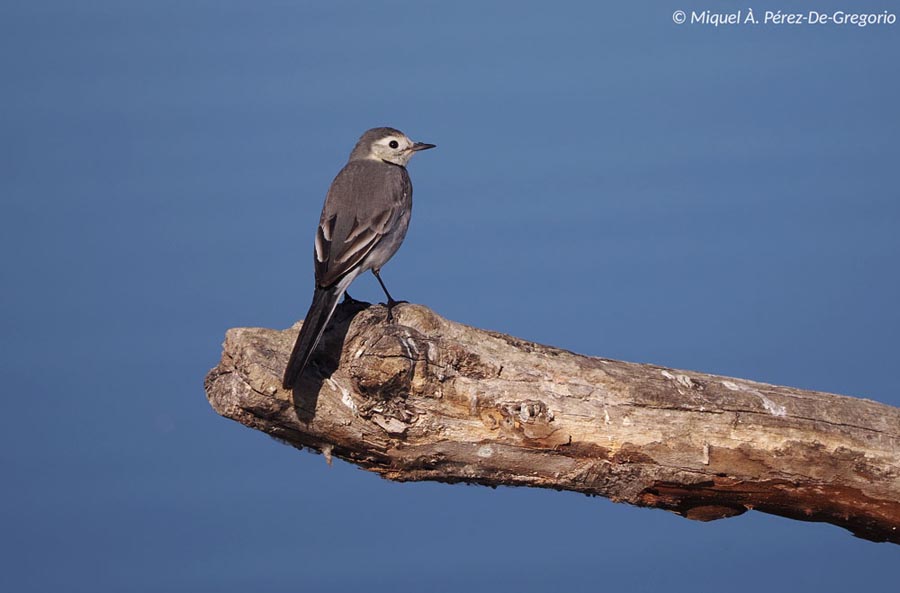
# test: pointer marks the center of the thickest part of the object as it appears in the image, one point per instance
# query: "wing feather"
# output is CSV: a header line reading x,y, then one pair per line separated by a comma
x,y
362,206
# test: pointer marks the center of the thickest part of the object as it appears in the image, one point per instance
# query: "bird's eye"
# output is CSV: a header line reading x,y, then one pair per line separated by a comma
x,y
393,144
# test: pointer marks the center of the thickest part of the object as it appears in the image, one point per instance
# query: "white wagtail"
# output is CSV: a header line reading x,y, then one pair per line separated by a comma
x,y
363,223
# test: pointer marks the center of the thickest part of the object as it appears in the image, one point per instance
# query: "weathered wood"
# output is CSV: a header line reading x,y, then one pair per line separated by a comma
x,y
425,398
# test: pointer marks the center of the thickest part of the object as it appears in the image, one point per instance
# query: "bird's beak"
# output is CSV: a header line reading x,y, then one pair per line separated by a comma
x,y
421,146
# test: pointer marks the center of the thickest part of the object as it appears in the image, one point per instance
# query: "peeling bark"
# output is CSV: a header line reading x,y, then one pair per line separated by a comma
x,y
425,398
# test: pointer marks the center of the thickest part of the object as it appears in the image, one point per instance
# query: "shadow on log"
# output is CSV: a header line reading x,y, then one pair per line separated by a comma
x,y
425,398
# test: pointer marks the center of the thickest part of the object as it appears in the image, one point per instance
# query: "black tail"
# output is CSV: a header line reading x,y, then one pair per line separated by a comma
x,y
321,310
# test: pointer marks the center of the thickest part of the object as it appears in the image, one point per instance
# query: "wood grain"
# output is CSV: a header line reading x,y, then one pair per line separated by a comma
x,y
425,398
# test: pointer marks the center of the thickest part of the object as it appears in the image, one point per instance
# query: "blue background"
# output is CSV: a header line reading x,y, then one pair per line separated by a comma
x,y
606,181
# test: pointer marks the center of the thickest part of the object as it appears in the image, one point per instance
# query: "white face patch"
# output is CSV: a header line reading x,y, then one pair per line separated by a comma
x,y
393,149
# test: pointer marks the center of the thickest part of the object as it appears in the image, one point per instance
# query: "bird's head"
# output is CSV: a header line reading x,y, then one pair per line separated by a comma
x,y
388,145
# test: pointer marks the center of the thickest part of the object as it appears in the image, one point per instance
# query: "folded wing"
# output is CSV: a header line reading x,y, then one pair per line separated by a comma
x,y
359,211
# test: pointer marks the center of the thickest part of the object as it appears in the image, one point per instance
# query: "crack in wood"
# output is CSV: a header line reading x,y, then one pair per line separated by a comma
x,y
429,403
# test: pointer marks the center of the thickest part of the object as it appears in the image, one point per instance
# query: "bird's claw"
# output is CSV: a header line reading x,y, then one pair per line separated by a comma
x,y
390,308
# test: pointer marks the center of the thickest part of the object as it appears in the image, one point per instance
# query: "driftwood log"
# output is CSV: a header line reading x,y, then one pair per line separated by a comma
x,y
424,398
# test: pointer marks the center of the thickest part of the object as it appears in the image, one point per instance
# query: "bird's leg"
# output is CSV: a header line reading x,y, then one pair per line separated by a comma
x,y
390,300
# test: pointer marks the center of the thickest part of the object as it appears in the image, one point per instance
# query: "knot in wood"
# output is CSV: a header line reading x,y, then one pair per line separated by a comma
x,y
531,419
527,412
391,364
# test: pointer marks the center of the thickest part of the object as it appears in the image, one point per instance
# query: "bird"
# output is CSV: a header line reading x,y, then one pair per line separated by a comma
x,y
363,222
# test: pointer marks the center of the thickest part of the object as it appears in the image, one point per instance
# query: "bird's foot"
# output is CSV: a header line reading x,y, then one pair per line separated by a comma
x,y
390,307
